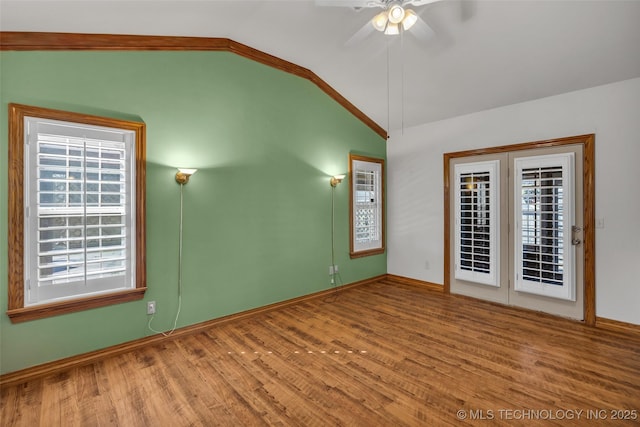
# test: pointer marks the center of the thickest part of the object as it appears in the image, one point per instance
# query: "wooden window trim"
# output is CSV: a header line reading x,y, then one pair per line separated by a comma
x,y
589,208
17,312
363,253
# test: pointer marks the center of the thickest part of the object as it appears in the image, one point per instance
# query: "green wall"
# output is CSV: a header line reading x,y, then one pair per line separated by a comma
x,y
257,215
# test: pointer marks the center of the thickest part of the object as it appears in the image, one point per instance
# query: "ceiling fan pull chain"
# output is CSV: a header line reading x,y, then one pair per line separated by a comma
x,y
402,82
388,91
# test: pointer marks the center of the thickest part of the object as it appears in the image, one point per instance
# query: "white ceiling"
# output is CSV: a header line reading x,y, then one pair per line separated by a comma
x,y
485,53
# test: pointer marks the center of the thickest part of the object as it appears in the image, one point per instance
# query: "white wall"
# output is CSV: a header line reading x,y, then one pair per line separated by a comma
x,y
415,184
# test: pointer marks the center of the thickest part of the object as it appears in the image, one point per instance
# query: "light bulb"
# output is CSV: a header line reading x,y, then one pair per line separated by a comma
x,y
379,21
392,29
396,14
410,18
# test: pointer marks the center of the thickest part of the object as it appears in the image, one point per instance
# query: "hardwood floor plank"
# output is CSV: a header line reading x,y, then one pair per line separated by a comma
x,y
384,353
20,404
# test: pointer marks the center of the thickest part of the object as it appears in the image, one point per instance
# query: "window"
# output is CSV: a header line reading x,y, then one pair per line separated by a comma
x,y
543,211
366,206
476,222
77,231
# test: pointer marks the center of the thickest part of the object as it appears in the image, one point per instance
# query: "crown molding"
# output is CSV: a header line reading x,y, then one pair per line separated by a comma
x,y
26,41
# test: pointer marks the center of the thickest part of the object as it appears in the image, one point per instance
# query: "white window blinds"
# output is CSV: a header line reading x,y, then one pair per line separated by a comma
x,y
366,217
79,216
367,205
543,216
476,222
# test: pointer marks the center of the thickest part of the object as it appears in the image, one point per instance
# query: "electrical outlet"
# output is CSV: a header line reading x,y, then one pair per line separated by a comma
x,y
335,268
331,270
151,307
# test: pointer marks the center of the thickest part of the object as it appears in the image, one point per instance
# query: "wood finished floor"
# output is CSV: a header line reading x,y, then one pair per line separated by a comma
x,y
383,354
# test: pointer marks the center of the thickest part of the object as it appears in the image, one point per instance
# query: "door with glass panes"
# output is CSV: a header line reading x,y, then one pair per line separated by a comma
x,y
516,228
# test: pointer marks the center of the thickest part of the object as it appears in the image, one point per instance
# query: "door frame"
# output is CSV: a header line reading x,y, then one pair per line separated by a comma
x,y
588,159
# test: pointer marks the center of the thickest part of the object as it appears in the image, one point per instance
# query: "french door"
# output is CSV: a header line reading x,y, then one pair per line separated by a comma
x,y
516,228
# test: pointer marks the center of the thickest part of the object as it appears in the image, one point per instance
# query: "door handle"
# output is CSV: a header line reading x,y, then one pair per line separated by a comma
x,y
574,230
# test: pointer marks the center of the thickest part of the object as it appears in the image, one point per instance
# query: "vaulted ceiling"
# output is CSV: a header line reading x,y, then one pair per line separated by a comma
x,y
484,53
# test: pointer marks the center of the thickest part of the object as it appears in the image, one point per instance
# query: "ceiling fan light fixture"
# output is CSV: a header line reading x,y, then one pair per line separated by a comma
x,y
410,18
379,21
392,29
396,13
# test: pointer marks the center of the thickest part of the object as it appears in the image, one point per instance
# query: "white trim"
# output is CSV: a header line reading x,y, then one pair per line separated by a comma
x,y
567,290
373,231
492,276
95,270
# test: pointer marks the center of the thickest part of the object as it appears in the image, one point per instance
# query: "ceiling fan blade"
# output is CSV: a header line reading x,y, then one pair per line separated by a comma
x,y
467,9
360,35
420,2
356,4
421,30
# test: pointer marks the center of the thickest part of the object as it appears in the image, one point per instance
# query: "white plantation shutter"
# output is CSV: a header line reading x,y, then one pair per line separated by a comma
x,y
367,219
544,216
79,210
476,222
367,205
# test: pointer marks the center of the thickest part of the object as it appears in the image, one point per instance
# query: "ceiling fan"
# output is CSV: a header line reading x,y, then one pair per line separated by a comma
x,y
394,18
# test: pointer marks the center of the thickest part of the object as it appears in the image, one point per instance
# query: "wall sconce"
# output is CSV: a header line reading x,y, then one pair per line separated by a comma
x,y
183,174
336,179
